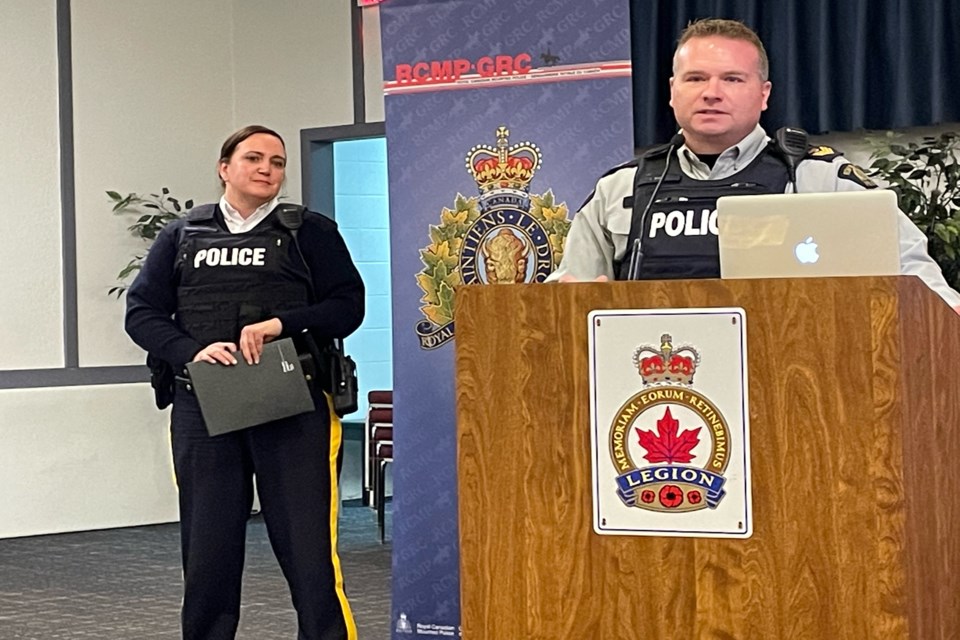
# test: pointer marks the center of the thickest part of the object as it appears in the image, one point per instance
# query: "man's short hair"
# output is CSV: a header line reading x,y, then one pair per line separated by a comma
x,y
733,29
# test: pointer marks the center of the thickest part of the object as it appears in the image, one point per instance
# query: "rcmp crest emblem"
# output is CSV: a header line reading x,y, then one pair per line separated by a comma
x,y
504,235
669,444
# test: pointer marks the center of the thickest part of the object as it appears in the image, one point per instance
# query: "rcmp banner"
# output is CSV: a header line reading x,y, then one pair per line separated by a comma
x,y
500,117
670,423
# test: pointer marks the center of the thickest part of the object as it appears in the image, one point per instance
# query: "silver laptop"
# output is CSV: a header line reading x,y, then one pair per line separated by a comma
x,y
850,233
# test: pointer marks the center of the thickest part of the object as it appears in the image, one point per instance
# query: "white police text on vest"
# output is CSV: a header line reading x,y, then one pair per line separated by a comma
x,y
688,223
229,257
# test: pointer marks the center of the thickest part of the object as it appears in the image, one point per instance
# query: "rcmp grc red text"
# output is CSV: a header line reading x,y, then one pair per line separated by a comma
x,y
451,70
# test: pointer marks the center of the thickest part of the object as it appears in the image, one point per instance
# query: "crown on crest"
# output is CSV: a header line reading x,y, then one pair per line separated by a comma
x,y
666,365
504,167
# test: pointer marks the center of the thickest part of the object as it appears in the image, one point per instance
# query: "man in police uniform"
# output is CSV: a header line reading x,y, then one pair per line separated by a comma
x,y
718,90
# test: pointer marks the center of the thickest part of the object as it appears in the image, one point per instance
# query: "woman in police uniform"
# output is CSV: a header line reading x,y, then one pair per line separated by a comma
x,y
184,307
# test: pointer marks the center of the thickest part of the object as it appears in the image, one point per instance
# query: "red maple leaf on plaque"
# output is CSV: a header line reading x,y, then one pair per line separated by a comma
x,y
666,445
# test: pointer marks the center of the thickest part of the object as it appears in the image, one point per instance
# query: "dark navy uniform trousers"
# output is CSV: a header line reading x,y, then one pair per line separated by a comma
x,y
294,461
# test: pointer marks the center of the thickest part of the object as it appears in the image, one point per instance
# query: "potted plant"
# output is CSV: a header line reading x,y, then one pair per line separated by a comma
x,y
153,212
926,175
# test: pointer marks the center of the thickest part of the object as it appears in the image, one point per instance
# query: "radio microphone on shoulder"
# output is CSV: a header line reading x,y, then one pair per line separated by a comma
x,y
636,252
792,143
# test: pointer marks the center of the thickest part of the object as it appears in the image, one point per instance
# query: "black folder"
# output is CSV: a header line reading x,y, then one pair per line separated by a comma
x,y
240,396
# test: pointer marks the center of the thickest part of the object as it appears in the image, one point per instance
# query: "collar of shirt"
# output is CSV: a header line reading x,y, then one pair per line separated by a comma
x,y
730,161
236,223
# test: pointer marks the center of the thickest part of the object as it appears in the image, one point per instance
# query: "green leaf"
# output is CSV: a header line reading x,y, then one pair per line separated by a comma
x,y
446,294
441,272
127,270
429,259
151,216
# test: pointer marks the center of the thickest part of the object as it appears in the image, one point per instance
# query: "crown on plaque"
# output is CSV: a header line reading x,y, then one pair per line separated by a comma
x,y
505,166
666,365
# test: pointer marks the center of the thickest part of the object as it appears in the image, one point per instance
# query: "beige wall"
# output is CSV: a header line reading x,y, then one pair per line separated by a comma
x,y
293,69
373,65
30,264
157,86
77,458
152,100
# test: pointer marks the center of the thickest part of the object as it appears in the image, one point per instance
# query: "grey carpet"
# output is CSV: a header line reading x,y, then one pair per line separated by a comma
x,y
124,584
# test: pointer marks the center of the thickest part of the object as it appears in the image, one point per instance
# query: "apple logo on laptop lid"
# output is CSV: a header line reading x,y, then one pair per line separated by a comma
x,y
806,251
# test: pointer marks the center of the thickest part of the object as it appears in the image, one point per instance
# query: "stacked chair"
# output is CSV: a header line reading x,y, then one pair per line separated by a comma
x,y
378,451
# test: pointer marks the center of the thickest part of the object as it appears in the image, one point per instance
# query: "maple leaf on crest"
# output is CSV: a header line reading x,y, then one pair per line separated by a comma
x,y
666,445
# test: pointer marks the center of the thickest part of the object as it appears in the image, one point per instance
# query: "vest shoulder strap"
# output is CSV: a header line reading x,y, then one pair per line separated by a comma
x,y
202,213
650,164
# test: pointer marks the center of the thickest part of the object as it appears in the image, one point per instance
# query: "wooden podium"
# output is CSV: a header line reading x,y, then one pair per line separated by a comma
x,y
855,428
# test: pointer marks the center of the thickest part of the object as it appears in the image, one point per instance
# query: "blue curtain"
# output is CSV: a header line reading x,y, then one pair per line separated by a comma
x,y
836,65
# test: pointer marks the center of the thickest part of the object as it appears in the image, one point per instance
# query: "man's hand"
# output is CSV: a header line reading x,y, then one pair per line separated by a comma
x,y
253,337
569,278
217,352
957,308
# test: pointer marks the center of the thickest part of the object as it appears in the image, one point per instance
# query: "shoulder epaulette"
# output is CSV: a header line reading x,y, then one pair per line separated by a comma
x,y
853,173
823,152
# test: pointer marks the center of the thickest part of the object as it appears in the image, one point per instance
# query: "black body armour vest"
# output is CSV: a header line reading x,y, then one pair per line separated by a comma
x,y
227,281
679,238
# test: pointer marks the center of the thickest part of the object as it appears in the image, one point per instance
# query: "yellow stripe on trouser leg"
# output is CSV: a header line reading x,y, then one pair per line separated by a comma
x,y
336,438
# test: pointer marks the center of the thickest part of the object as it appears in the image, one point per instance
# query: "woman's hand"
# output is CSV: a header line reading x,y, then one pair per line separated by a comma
x,y
217,352
253,337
